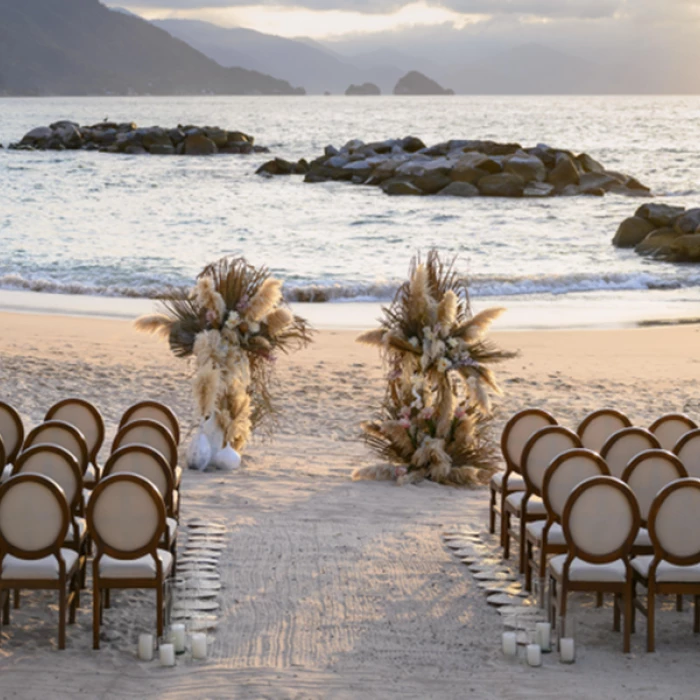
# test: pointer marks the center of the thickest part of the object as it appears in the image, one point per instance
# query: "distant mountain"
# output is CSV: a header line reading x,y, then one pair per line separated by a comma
x,y
364,89
301,62
415,83
79,47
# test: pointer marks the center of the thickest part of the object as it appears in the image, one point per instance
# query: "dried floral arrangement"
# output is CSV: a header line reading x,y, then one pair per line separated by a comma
x,y
232,323
435,419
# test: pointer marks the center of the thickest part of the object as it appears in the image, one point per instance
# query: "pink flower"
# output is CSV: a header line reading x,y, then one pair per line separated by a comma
x,y
400,471
211,316
427,413
405,411
460,412
405,423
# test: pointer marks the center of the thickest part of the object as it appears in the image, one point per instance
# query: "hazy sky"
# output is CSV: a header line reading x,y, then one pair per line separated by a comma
x,y
626,20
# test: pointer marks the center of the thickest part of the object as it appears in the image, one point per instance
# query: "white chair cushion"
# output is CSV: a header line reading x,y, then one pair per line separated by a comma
x,y
554,536
7,470
667,572
37,569
172,529
515,481
535,505
143,567
82,529
642,539
583,571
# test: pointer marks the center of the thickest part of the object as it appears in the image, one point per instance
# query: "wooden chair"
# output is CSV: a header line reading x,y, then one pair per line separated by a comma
x,y
562,476
58,432
84,416
670,428
625,444
599,425
646,475
12,436
153,410
126,518
150,464
600,522
687,449
539,451
145,431
674,527
34,517
515,434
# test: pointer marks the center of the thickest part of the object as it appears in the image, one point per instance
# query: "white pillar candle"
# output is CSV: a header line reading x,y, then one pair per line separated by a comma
x,y
177,636
510,646
146,647
167,655
534,655
567,650
199,645
544,636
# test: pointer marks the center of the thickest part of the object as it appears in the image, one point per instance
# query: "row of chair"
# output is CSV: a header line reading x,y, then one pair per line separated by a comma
x,y
130,514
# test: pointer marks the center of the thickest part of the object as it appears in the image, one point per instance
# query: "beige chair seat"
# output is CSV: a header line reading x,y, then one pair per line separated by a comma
x,y
642,539
584,571
667,572
555,535
81,524
535,505
45,568
515,481
141,568
6,471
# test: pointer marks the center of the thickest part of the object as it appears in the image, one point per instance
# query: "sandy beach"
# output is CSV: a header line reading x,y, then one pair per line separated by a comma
x,y
333,588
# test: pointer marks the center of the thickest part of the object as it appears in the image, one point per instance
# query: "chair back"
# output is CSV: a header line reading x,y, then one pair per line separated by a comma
x,y
145,461
58,464
126,516
148,432
518,431
565,473
670,428
85,417
687,449
599,425
601,520
625,444
648,473
539,451
3,460
34,517
58,432
153,410
11,432
674,523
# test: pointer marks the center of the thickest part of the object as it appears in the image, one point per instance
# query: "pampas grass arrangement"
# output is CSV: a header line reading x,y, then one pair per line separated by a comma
x,y
232,323
435,419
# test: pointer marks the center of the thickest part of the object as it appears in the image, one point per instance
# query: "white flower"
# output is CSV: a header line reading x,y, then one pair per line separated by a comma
x,y
443,365
253,327
453,342
428,333
233,320
414,341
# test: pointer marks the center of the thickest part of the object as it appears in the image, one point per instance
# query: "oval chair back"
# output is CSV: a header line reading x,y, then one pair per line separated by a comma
x,y
539,451
58,464
670,428
146,462
153,410
601,520
674,523
11,432
58,432
648,473
145,431
565,473
85,417
687,449
518,431
625,444
599,425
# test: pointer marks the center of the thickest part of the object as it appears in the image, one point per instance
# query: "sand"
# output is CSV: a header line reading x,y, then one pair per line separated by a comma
x,y
333,588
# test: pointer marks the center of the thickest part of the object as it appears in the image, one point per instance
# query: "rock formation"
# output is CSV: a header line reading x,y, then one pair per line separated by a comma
x,y
461,168
364,89
662,231
111,137
415,83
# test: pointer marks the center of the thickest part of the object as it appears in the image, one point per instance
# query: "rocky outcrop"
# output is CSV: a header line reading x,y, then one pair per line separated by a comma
x,y
488,169
113,137
663,232
415,83
364,89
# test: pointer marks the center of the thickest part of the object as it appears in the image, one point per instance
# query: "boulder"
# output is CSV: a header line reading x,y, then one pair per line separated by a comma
x,y
686,248
529,167
588,164
659,214
479,161
162,149
689,222
69,134
431,182
278,166
633,184
41,133
156,137
238,137
411,144
400,187
199,145
538,189
564,173
601,181
501,185
459,189
217,135
632,231
135,150
658,242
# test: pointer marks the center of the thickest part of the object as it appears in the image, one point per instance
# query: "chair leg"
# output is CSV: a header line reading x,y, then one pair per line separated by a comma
x,y
633,622
108,600
626,642
159,609
562,608
599,599
62,616
504,519
528,566
505,534
679,603
6,609
617,604
696,614
492,510
96,615
16,598
651,612
522,543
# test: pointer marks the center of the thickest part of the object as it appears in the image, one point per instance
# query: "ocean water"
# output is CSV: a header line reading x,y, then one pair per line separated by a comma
x,y
77,223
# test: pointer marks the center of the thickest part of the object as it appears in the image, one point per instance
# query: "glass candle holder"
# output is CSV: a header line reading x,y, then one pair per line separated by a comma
x,y
567,641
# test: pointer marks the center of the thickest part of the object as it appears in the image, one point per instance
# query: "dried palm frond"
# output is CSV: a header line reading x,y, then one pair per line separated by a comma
x,y
474,329
375,337
158,324
447,309
278,320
